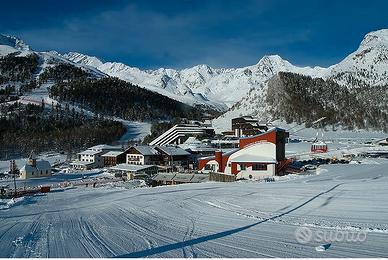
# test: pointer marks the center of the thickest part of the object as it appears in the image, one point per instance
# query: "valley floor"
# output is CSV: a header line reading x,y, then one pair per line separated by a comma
x,y
241,219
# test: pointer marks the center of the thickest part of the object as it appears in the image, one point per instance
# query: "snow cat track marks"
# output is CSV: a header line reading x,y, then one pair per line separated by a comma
x,y
94,237
114,225
142,231
259,238
87,240
188,236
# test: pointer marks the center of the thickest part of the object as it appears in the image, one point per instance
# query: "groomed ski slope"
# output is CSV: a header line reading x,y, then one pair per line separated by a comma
x,y
242,219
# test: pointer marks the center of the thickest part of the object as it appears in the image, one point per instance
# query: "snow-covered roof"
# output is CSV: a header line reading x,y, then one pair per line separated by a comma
x,y
105,147
247,158
131,167
112,153
164,177
82,163
146,150
89,152
172,150
225,153
183,177
200,178
41,165
276,129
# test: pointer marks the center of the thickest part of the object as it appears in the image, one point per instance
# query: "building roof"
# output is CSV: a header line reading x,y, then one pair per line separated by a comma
x,y
164,177
225,152
250,158
199,177
146,150
172,150
81,163
130,167
183,177
276,129
112,153
105,147
89,152
41,165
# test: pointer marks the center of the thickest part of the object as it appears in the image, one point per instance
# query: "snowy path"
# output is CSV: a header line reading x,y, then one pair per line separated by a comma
x,y
205,220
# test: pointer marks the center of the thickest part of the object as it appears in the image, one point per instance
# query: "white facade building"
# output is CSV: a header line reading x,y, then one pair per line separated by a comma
x,y
35,168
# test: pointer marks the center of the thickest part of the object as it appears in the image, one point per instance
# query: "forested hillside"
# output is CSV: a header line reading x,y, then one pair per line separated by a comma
x,y
24,128
114,97
15,68
298,98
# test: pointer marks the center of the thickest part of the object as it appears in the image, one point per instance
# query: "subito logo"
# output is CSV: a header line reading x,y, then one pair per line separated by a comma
x,y
303,235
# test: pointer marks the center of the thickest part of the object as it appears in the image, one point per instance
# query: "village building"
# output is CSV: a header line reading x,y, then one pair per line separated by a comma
x,y
258,157
35,168
88,159
132,171
113,158
92,157
143,155
180,132
174,157
178,178
245,126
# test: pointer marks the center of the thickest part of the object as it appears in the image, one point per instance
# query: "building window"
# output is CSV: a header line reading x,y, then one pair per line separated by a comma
x,y
243,167
210,167
259,167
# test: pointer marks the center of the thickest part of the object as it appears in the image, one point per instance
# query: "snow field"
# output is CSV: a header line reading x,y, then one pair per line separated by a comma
x,y
241,219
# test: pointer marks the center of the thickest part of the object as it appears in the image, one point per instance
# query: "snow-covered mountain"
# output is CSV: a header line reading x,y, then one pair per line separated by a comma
x,y
200,84
366,67
17,47
13,42
225,87
240,90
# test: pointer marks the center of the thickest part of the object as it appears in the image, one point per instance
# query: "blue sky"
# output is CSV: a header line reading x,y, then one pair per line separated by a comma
x,y
183,33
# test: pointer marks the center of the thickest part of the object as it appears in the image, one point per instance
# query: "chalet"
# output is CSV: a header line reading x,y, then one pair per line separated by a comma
x,y
257,157
172,156
113,158
35,168
143,155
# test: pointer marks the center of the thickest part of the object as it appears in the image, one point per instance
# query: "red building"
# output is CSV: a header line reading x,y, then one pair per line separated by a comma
x,y
257,157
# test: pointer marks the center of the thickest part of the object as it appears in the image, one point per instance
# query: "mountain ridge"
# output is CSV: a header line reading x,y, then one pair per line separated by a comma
x,y
239,91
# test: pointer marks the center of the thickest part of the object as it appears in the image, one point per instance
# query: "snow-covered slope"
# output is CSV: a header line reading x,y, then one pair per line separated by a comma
x,y
11,44
367,65
345,205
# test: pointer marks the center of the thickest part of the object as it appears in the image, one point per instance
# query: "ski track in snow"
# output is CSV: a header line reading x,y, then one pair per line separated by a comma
x,y
241,219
